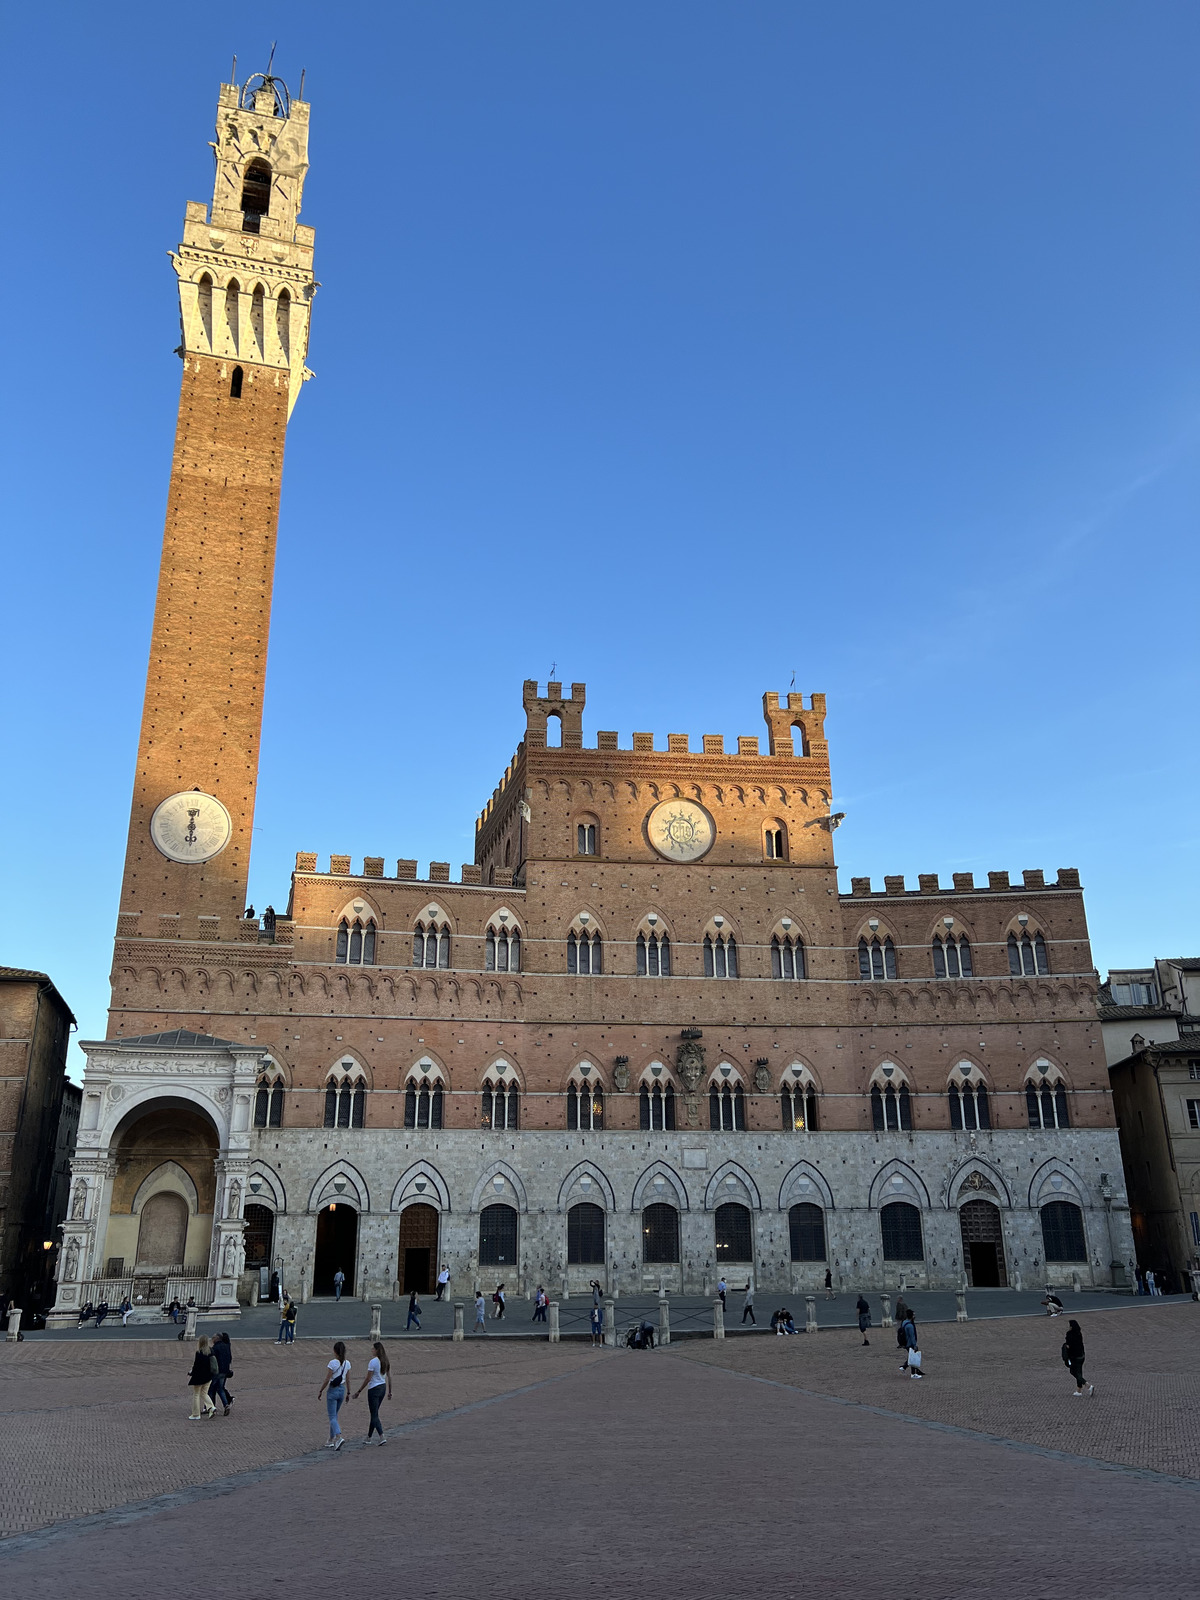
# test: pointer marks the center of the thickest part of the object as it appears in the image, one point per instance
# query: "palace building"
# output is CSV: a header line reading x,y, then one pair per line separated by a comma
x,y
643,1036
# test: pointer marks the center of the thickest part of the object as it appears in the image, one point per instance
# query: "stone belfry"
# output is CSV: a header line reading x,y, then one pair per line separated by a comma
x,y
245,292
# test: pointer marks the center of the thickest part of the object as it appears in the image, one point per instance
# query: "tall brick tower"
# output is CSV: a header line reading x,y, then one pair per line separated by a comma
x,y
245,291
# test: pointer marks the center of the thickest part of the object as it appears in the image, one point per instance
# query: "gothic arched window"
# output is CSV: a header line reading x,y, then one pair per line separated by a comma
x,y
726,1107
806,1225
235,384
656,1105
501,948
775,841
584,953
720,956
1062,1232
799,1101
345,1102
431,944
501,1102
733,1235
900,1225
1027,957
876,959
660,1234
653,955
952,957
1046,1103
787,957
268,1102
585,839
585,1106
891,1111
585,1234
969,1106
423,1100
355,943
256,195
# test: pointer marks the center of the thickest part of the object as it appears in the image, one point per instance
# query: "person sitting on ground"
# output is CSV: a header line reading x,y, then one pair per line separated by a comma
x,y
789,1325
776,1317
1053,1305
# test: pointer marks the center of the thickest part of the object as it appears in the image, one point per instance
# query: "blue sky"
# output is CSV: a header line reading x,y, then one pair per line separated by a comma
x,y
683,345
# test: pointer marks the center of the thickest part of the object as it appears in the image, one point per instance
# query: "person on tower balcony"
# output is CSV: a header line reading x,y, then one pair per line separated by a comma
x,y
269,921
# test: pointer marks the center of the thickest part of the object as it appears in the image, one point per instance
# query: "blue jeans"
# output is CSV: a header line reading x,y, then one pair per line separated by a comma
x,y
337,1291
374,1399
412,1317
334,1396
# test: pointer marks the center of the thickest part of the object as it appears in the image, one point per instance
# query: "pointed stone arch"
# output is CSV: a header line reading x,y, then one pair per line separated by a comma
x,y
883,1190
164,1178
645,1194
271,1192
792,1192
730,1169
958,1189
484,1193
356,1192
1042,1189
405,1194
597,1176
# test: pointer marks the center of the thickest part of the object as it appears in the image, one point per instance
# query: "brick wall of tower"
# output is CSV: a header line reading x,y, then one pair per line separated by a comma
x,y
204,688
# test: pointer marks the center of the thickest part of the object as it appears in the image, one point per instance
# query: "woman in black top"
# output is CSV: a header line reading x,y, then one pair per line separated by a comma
x,y
222,1352
204,1370
1072,1354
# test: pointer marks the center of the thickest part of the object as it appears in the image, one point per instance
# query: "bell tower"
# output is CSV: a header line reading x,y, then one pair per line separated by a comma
x,y
245,291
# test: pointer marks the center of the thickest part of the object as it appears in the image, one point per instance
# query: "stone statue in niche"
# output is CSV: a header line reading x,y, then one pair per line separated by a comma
x,y
234,1206
71,1261
229,1258
689,1063
79,1202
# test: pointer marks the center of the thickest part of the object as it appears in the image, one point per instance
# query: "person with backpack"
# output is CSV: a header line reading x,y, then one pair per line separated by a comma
x,y
204,1370
222,1352
912,1357
1072,1354
864,1317
378,1384
289,1321
334,1389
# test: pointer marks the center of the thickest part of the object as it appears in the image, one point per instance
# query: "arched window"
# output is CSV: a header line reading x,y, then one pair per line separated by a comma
x,y
1046,1102
952,957
431,944
268,1102
423,1101
787,956
585,1106
283,323
798,1098
585,838
653,955
720,956
584,954
891,1108
501,948
235,384
1027,957
726,1107
876,960
355,943
259,1235
501,1102
660,1235
256,195
900,1225
585,1235
1062,1232
498,1236
657,1106
969,1105
345,1102
733,1237
806,1224
233,292
204,305
775,841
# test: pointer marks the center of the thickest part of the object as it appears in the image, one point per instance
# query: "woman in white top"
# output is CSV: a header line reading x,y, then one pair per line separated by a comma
x,y
377,1383
335,1384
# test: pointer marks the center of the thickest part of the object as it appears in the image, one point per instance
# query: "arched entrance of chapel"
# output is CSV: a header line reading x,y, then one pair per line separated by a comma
x,y
983,1245
160,1211
417,1265
337,1247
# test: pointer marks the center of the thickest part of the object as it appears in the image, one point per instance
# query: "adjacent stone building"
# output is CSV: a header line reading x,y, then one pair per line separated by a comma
x,y
643,1036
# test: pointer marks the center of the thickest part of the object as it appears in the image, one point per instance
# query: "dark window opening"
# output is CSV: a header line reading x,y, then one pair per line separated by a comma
x,y
585,1235
806,1224
900,1225
235,384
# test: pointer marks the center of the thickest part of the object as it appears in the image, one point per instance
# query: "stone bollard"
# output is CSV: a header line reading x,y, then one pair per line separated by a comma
x,y
189,1327
1076,1286
718,1320
1017,1280
564,1295
960,1301
810,1313
610,1325
376,1323
14,1325
664,1320
554,1333
885,1316
458,1333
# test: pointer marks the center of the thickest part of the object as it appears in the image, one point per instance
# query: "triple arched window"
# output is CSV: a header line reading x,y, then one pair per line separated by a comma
x,y
585,1107
501,949
1027,957
726,1107
799,1102
501,1103
355,943
876,958
584,952
423,1101
1046,1104
891,1108
787,957
656,1105
969,1106
431,944
268,1103
720,956
952,957
345,1103
653,955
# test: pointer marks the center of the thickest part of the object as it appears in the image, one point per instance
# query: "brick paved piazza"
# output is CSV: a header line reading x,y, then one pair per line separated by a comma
x,y
781,1467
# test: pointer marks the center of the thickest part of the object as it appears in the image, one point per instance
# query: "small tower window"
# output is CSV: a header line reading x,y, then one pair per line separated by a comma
x,y
235,384
585,839
256,195
775,842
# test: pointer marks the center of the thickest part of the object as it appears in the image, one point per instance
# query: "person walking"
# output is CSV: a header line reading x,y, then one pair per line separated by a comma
x,y
480,1312
912,1350
748,1307
443,1282
334,1390
540,1302
204,1370
722,1291
499,1301
864,1318
1072,1354
339,1283
596,1321
222,1352
290,1319
414,1312
378,1384
828,1284
282,1339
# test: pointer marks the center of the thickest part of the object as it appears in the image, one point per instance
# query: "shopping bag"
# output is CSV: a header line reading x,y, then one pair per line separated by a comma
x,y
914,1361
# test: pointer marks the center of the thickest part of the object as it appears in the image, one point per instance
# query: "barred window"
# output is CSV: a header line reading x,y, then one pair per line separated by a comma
x,y
1062,1232
268,1103
501,1104
657,1107
345,1103
653,956
720,956
1047,1105
727,1107
787,957
969,1106
501,949
585,1107
423,1099
799,1102
876,960
355,943
1027,957
584,953
431,944
952,957
806,1224
891,1111
498,1236
585,1235
900,1226
660,1234
733,1236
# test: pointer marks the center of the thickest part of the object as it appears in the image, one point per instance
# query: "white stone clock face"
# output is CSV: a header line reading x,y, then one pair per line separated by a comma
x,y
191,827
680,830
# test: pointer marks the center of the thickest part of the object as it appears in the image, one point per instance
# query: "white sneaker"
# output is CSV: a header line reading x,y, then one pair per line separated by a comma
x,y
1091,1389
